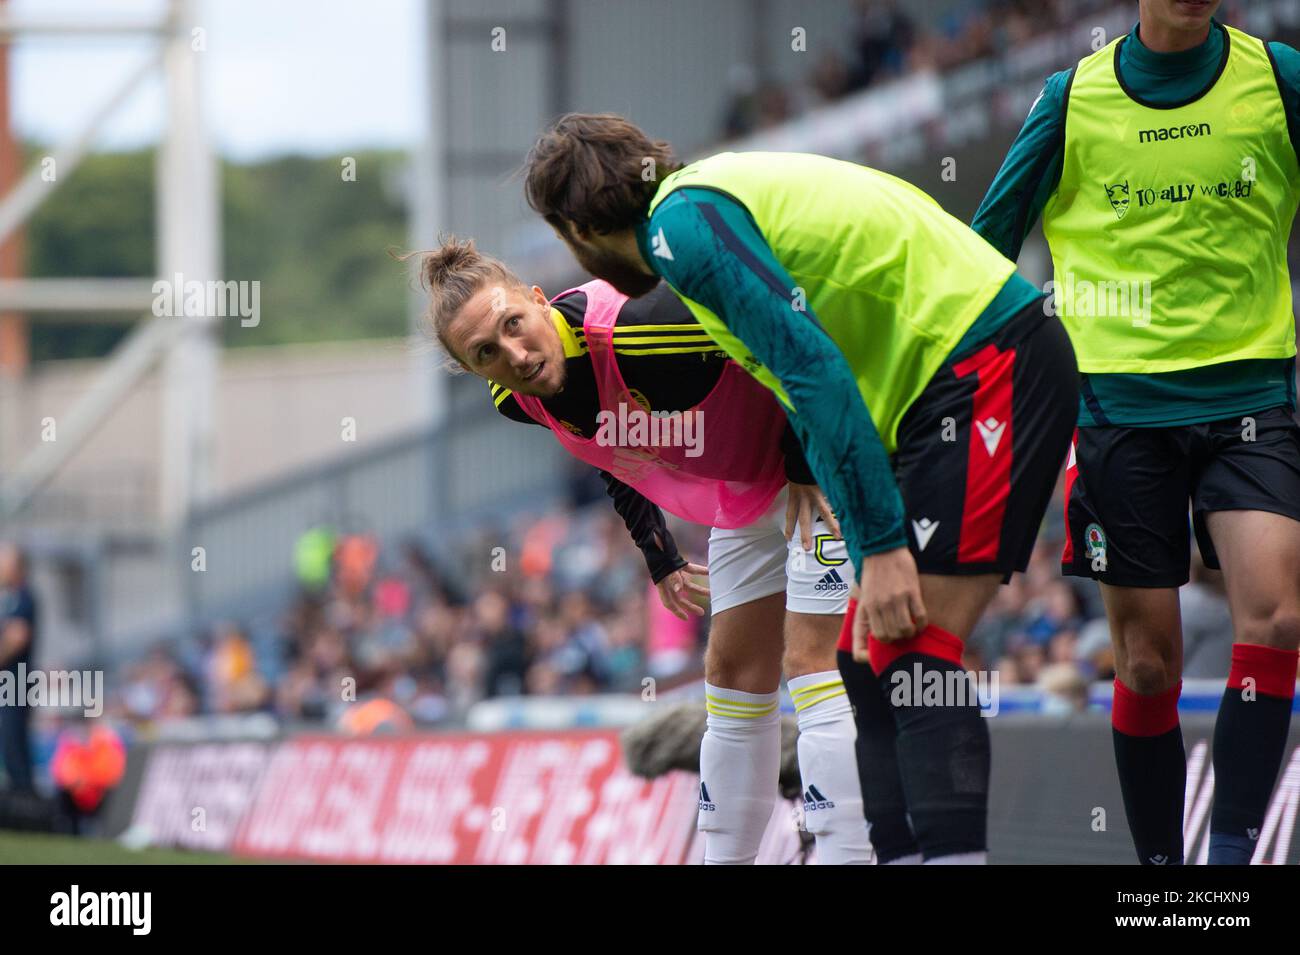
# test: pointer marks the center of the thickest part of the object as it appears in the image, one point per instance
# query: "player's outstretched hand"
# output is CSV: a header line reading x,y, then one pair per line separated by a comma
x,y
675,591
803,505
890,605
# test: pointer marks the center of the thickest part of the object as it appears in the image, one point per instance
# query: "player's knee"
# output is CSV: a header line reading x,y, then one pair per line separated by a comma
x,y
810,640
808,650
727,664
1148,673
1145,653
1279,629
796,664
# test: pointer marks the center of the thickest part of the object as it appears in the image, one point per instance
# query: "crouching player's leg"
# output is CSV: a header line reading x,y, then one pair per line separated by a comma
x,y
875,747
816,599
979,452
740,755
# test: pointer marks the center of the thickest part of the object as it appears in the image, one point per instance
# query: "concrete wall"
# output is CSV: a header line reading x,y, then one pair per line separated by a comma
x,y
277,408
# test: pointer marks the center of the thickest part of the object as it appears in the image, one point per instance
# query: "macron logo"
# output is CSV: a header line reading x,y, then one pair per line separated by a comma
x,y
924,529
659,246
991,431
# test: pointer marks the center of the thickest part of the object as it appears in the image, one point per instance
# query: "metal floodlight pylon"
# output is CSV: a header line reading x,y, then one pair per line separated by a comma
x,y
188,226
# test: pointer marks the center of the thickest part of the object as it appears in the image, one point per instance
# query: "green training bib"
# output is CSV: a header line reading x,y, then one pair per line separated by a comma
x,y
1169,227
893,278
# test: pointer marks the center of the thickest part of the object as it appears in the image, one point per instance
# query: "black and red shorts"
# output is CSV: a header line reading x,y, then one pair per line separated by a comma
x,y
981,448
1129,491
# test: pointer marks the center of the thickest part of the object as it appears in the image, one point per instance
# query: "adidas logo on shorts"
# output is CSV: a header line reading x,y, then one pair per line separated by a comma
x,y
812,799
832,582
706,804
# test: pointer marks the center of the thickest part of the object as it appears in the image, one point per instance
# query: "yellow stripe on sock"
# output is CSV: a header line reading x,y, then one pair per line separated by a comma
x,y
731,711
742,703
813,688
737,715
739,709
803,704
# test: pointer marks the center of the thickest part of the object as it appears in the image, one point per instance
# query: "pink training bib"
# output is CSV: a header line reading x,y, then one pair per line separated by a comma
x,y
717,464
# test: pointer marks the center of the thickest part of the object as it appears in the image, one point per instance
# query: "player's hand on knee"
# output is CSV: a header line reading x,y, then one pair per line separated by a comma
x,y
804,504
676,590
891,595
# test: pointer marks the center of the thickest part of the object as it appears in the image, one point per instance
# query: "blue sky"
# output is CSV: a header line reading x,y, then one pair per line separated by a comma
x,y
314,76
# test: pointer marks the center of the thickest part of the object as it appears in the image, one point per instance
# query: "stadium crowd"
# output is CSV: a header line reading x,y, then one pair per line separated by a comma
x,y
886,43
558,604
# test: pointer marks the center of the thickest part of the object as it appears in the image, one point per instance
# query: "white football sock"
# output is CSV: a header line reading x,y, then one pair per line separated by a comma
x,y
832,793
740,761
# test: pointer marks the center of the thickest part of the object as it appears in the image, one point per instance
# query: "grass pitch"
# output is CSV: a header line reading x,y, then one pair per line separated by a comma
x,y
27,848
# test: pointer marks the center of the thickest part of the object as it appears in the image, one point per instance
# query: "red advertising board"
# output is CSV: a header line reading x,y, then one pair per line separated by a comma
x,y
195,796
514,798
566,797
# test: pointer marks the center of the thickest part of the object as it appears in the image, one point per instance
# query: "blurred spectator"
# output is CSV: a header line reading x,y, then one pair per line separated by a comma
x,y
774,106
88,763
672,640
505,647
1094,652
18,626
1052,614
625,661
312,555
740,116
991,637
883,38
1029,658
233,684
830,78
539,544
1065,690
158,688
465,672
375,717
354,558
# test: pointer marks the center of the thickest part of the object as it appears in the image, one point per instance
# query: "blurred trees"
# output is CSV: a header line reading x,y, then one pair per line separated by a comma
x,y
316,241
